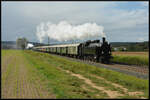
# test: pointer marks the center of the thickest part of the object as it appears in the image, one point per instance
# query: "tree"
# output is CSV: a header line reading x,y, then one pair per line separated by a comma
x,y
21,43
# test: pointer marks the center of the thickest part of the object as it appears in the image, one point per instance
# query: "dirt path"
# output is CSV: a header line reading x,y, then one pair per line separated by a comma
x,y
110,93
125,90
18,82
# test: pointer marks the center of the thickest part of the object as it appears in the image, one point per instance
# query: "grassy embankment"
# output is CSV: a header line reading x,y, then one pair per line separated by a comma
x,y
47,69
133,58
47,64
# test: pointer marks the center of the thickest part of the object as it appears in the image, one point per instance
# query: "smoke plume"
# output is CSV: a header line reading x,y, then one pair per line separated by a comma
x,y
29,45
64,31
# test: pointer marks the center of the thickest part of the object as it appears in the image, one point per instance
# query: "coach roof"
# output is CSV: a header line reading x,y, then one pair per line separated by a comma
x,y
65,45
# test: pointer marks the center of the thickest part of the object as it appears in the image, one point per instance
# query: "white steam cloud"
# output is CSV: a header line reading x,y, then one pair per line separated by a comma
x,y
64,31
29,45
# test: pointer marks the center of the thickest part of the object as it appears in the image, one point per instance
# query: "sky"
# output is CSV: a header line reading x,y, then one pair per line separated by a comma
x,y
122,21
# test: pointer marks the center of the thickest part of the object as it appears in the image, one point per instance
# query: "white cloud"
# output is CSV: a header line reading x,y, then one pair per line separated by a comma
x,y
145,3
122,19
107,14
140,39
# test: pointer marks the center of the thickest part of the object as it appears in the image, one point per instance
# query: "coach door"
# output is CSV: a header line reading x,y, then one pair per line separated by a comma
x,y
66,50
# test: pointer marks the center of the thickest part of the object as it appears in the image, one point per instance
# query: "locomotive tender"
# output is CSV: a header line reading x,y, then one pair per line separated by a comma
x,y
90,50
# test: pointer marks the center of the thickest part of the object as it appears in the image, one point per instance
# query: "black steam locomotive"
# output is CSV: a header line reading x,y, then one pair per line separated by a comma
x,y
95,51
90,50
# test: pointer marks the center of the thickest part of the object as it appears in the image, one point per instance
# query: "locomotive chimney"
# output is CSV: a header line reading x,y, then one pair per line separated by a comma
x,y
103,39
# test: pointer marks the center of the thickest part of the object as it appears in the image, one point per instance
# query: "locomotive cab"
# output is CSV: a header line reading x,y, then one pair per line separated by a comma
x,y
105,54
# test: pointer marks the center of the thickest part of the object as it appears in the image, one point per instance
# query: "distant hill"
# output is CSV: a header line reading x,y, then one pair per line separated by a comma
x,y
12,44
131,46
8,42
8,45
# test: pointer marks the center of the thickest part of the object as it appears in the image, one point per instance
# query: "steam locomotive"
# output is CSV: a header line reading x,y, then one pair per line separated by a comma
x,y
90,50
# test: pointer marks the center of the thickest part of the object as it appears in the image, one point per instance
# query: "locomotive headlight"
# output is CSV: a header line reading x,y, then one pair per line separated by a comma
x,y
95,57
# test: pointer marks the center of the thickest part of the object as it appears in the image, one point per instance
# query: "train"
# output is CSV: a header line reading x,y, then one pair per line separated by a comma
x,y
92,50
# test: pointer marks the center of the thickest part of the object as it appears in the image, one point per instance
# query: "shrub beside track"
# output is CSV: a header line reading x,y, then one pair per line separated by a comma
x,y
132,58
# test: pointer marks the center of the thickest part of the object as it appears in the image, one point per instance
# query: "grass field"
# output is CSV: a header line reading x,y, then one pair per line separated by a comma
x,y
28,74
133,58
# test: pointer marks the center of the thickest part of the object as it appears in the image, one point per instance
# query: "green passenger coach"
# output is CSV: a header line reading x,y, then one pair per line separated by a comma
x,y
93,50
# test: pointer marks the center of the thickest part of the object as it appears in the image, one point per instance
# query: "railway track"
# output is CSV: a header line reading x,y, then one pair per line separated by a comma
x,y
140,72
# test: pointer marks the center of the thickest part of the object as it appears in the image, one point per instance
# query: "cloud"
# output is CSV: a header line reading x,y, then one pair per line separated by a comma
x,y
140,39
115,17
145,3
128,19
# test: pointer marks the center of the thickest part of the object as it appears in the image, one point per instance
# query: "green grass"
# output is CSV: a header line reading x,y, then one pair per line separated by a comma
x,y
63,85
130,82
133,60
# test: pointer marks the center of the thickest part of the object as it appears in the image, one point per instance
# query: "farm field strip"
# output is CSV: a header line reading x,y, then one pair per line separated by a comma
x,y
39,75
131,53
7,79
15,80
133,58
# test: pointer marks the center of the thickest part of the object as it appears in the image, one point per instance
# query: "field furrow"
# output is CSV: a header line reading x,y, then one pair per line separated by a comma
x,y
16,82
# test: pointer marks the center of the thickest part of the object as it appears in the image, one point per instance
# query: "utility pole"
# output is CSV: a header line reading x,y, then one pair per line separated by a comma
x,y
48,40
